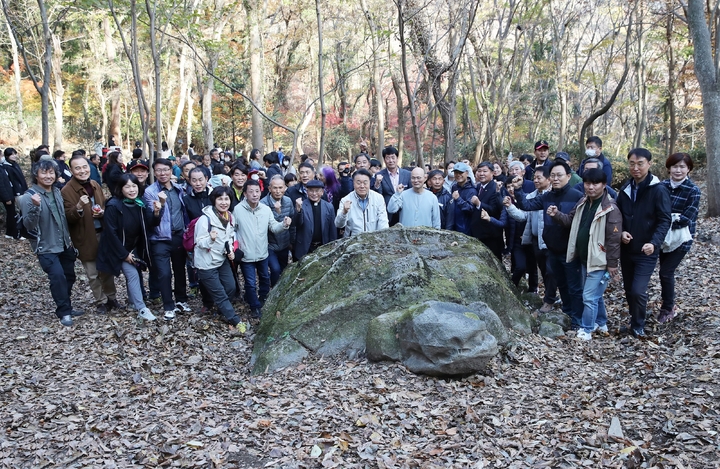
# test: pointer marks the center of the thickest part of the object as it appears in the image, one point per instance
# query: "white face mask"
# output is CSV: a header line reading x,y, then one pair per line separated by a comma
x,y
255,177
590,152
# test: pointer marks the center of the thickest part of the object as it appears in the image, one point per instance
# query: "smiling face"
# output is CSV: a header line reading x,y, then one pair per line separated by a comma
x,y
239,178
540,181
130,190
679,171
315,194
277,188
140,173
362,162
559,177
222,203
516,170
198,181
361,184
461,177
162,173
80,169
417,179
483,175
46,178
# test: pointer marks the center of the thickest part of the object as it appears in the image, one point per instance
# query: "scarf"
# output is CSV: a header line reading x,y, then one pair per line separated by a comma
x,y
224,219
135,201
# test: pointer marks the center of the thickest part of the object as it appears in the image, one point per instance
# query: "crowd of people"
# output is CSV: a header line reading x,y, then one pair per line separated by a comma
x,y
207,216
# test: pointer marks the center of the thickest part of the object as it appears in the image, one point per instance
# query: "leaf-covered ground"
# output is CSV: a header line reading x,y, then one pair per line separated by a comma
x,y
114,392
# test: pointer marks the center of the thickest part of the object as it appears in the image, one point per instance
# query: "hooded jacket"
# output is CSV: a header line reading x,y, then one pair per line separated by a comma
x,y
605,233
648,218
211,254
251,228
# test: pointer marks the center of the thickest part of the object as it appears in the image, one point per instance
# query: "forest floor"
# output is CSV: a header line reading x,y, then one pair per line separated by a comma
x,y
114,392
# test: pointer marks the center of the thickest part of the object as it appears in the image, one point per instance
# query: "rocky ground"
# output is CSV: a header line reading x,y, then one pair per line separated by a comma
x,y
114,392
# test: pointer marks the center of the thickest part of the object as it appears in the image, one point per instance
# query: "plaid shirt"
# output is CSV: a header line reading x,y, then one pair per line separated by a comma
x,y
684,199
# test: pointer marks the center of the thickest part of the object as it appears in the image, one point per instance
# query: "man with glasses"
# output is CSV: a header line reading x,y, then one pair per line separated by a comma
x,y
645,207
417,207
556,237
362,210
166,249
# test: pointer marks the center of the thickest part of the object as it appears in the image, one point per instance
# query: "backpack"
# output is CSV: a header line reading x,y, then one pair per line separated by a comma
x,y
24,232
189,235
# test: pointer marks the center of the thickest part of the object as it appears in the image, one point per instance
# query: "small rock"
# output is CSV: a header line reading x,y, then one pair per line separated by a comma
x,y
551,330
45,330
615,429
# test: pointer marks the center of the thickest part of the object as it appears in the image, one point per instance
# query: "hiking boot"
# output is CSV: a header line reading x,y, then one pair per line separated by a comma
x,y
146,314
170,314
113,304
545,308
582,335
181,307
666,315
66,321
101,309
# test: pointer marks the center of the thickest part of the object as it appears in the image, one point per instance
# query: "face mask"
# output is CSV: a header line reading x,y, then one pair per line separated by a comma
x,y
590,152
255,177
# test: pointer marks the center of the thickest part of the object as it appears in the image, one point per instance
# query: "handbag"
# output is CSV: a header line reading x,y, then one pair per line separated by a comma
x,y
675,237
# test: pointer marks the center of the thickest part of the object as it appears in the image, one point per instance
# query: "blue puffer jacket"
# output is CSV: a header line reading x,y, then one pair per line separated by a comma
x,y
555,236
463,209
447,209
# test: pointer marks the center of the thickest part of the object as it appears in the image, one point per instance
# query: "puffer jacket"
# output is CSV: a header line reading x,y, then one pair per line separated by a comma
x,y
251,227
535,216
463,209
648,219
282,239
605,233
211,254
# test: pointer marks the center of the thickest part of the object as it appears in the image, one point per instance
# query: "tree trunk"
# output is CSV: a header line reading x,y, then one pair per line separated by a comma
x,y
400,116
376,79
155,52
189,119
256,56
323,111
17,79
182,96
641,77
406,79
47,72
670,101
707,75
59,93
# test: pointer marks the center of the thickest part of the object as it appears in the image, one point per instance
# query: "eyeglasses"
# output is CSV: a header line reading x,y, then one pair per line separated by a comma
x,y
162,170
557,176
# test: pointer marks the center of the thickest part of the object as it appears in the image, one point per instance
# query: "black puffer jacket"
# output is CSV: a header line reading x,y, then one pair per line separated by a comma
x,y
647,219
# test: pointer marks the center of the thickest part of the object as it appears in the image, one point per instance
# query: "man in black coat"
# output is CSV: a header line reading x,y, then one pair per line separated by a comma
x,y
488,200
645,206
315,221
389,178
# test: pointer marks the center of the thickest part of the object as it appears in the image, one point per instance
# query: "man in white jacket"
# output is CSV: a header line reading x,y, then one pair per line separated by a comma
x,y
362,210
253,220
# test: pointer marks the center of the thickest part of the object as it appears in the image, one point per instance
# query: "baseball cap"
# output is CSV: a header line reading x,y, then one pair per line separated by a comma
x,y
461,167
138,164
561,155
541,143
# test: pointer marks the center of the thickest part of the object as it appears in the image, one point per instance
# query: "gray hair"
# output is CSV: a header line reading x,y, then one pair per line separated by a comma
x,y
277,177
593,160
517,163
44,165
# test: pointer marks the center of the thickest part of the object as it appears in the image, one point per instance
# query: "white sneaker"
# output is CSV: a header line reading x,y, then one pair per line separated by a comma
x,y
21,238
146,314
170,315
8,237
182,307
603,330
582,335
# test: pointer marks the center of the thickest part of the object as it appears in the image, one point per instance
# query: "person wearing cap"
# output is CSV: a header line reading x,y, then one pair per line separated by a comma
x,y
389,179
542,153
279,243
417,207
436,185
362,210
463,193
593,149
574,178
140,169
315,221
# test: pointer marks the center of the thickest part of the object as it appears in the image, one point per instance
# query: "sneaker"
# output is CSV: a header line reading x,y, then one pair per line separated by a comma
x,y
582,335
102,309
170,314
147,315
21,238
8,237
76,312
545,308
602,330
639,333
256,313
66,321
181,307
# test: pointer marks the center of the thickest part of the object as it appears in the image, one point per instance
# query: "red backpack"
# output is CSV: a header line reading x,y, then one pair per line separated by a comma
x,y
189,235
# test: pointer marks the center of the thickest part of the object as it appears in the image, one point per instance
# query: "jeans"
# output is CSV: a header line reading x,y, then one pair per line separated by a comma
x,y
220,285
252,282
637,270
541,258
168,259
569,282
133,281
277,261
60,269
523,260
594,285
669,261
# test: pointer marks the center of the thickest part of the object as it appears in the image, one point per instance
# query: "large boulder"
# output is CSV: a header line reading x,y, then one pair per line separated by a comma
x,y
324,304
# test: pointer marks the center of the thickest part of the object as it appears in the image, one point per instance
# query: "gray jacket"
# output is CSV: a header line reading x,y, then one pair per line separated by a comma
x,y
282,239
53,231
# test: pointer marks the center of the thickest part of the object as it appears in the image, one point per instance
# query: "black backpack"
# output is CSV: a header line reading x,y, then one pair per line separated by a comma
x,y
24,232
